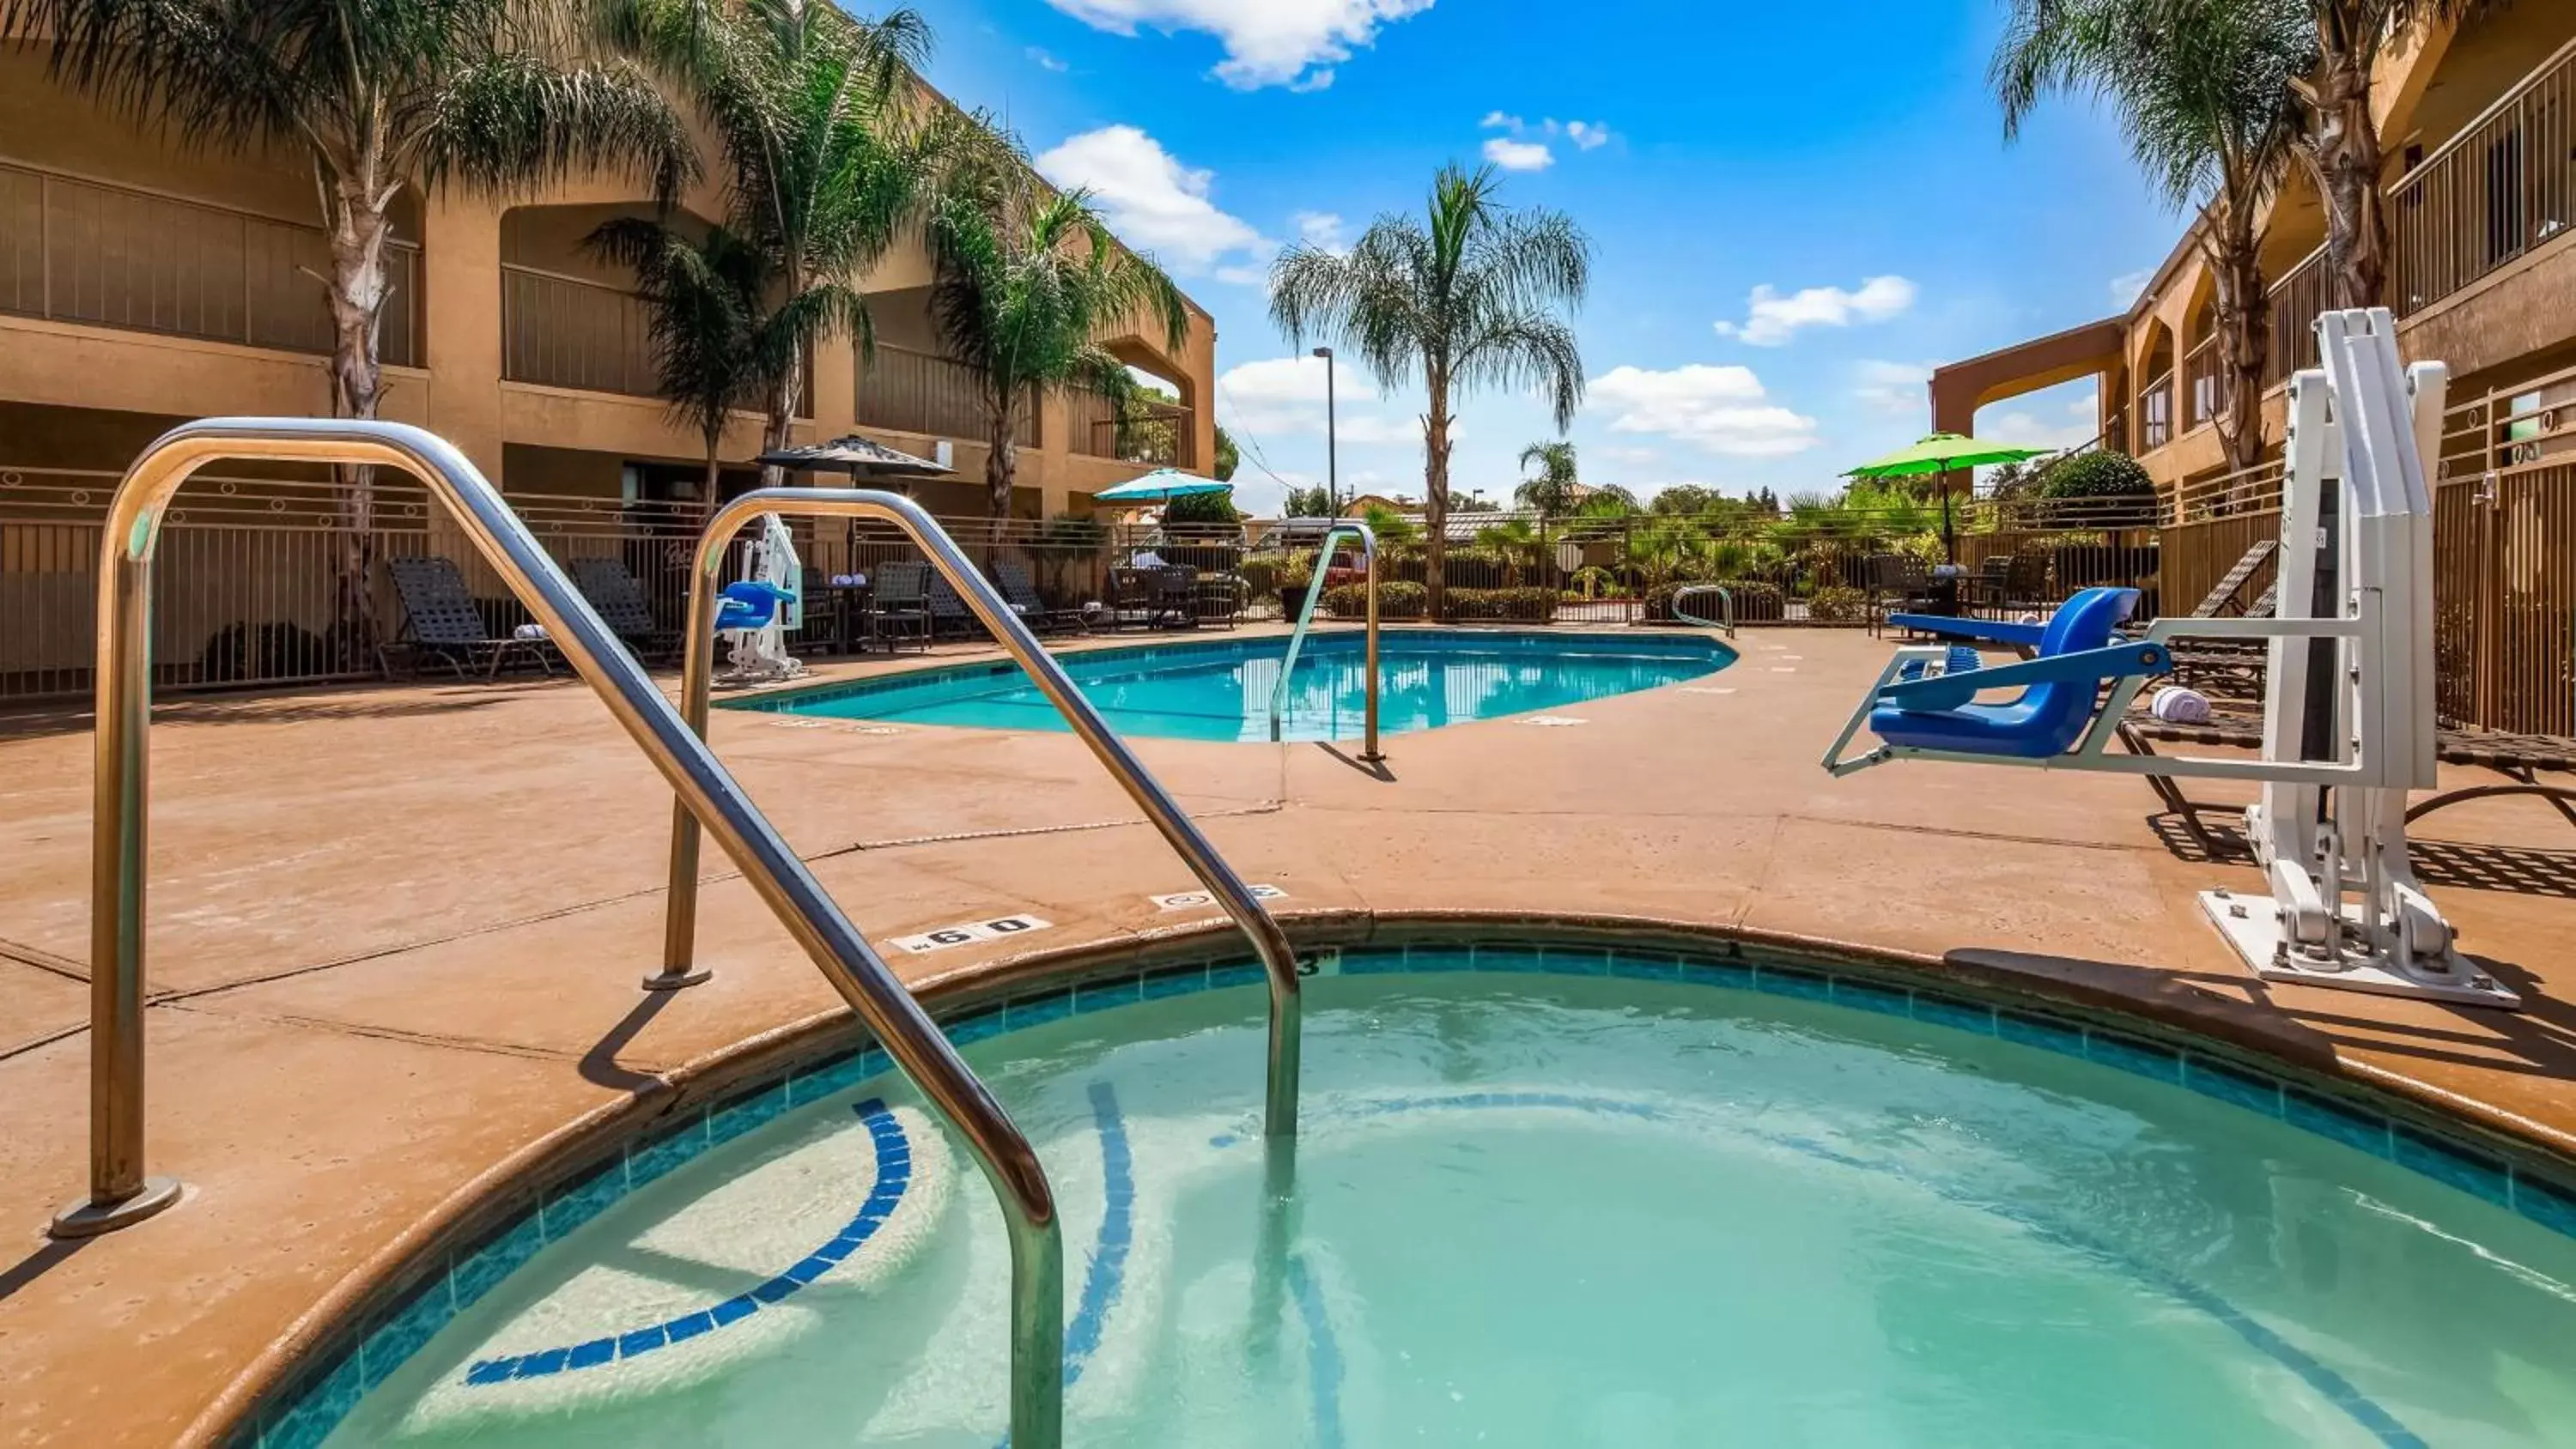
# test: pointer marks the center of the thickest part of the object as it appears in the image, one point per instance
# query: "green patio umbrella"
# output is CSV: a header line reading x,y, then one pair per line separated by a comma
x,y
1941,453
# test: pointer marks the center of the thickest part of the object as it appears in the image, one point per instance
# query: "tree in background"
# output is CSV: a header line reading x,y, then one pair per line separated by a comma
x,y
1025,283
2203,91
1315,502
830,156
1470,295
2342,142
378,98
1550,493
1228,459
704,306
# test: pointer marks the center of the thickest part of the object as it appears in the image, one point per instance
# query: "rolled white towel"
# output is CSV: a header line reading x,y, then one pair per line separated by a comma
x,y
2030,617
2176,705
849,581
529,631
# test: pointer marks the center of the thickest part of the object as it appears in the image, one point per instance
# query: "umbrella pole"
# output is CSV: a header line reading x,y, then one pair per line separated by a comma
x,y
1949,539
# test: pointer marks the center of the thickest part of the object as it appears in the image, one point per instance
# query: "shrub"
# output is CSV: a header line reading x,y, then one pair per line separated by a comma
x,y
1756,602
1395,600
1839,605
1521,605
1200,513
1477,568
1262,573
2098,474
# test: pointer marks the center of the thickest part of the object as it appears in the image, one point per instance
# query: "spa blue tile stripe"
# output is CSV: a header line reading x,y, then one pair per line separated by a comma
x,y
893,1176
1323,1354
1106,1279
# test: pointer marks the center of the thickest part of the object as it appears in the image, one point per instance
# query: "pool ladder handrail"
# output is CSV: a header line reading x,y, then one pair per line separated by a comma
x,y
121,1194
1724,597
1269,941
1306,619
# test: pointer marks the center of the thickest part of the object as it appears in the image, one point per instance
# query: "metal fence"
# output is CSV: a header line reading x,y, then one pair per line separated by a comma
x,y
1163,434
77,250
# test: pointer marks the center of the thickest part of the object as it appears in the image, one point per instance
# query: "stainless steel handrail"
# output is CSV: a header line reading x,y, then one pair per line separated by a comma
x,y
1306,620
120,1193
1236,898
1723,597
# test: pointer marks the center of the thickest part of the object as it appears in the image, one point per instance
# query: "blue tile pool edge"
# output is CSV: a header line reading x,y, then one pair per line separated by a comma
x,y
311,1403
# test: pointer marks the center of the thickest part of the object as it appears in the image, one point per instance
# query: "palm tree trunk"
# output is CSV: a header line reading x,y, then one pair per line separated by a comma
x,y
1001,456
2244,331
2344,152
1435,487
715,472
782,415
357,225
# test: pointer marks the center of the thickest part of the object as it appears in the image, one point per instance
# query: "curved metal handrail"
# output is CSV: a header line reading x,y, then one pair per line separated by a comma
x,y
119,1191
1268,940
1306,618
1723,597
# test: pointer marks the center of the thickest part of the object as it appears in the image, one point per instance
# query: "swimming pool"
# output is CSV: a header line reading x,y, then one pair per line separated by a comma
x,y
1221,689
1548,1195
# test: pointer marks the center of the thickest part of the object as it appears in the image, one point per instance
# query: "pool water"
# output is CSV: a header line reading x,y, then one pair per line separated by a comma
x,y
1537,1211
1222,690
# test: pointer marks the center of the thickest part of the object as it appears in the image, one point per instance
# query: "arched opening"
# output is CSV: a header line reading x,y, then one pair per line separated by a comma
x,y
2155,406
2200,368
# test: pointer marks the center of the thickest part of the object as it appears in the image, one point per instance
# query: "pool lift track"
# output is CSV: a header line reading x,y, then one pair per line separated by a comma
x,y
1367,536
122,1194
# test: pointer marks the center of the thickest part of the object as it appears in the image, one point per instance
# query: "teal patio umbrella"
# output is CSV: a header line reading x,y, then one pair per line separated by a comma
x,y
1942,453
1160,486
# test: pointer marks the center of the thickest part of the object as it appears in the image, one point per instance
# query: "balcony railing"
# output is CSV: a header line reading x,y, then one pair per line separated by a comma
x,y
2155,413
561,331
920,392
2298,299
1152,432
2504,185
75,250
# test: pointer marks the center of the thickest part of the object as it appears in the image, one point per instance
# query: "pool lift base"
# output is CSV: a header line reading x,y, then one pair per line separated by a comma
x,y
2352,961
88,1219
674,980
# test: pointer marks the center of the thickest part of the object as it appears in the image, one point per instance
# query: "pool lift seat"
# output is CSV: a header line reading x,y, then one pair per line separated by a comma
x,y
2348,710
755,612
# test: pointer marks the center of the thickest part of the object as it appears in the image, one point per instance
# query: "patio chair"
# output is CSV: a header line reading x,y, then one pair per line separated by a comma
x,y
1176,596
902,602
1221,598
948,613
440,621
1132,595
613,590
1012,578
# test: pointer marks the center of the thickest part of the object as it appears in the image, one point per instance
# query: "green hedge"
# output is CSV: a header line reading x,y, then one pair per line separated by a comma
x,y
1839,606
1397,599
1523,605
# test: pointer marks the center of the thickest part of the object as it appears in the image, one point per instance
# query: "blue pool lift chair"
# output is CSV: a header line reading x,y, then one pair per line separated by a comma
x,y
1926,702
749,605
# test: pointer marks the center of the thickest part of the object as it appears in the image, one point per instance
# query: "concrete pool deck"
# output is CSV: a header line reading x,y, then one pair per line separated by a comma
x,y
396,935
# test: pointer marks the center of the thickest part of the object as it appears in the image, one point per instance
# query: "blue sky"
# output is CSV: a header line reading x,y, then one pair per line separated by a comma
x,y
1771,281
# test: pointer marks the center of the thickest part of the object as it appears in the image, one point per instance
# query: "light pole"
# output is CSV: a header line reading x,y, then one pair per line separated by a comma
x,y
1332,471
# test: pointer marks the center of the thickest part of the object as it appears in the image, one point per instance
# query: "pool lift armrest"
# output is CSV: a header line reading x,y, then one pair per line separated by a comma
x,y
1989,631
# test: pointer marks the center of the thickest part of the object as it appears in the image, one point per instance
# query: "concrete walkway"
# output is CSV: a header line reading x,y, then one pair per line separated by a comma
x,y
397,932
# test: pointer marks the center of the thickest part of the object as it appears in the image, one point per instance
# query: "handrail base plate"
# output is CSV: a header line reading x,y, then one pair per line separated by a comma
x,y
87,1219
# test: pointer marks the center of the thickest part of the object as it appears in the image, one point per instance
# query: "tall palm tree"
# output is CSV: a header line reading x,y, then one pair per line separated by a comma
x,y
705,305
1025,284
1551,493
378,98
2342,145
2202,88
1468,296
831,151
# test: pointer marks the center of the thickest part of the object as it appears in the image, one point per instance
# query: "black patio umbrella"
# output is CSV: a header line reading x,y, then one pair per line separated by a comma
x,y
860,457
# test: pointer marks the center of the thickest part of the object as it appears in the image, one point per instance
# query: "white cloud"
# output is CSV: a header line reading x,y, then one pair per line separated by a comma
x,y
1637,456
1893,387
1771,319
1046,60
1285,395
1514,155
2126,287
1587,135
1321,230
1722,409
2077,425
1524,147
1154,203
1294,43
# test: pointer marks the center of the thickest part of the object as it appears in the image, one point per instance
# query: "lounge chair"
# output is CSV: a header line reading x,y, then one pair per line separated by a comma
x,y
948,613
1012,578
440,621
2223,593
613,590
902,602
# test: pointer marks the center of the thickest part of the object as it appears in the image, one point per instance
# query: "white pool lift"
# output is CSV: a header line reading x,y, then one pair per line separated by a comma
x,y
758,610
2348,723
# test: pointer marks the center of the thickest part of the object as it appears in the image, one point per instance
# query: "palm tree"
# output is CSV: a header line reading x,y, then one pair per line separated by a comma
x,y
2203,89
704,306
2342,142
1468,296
378,98
1025,283
830,154
1551,494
